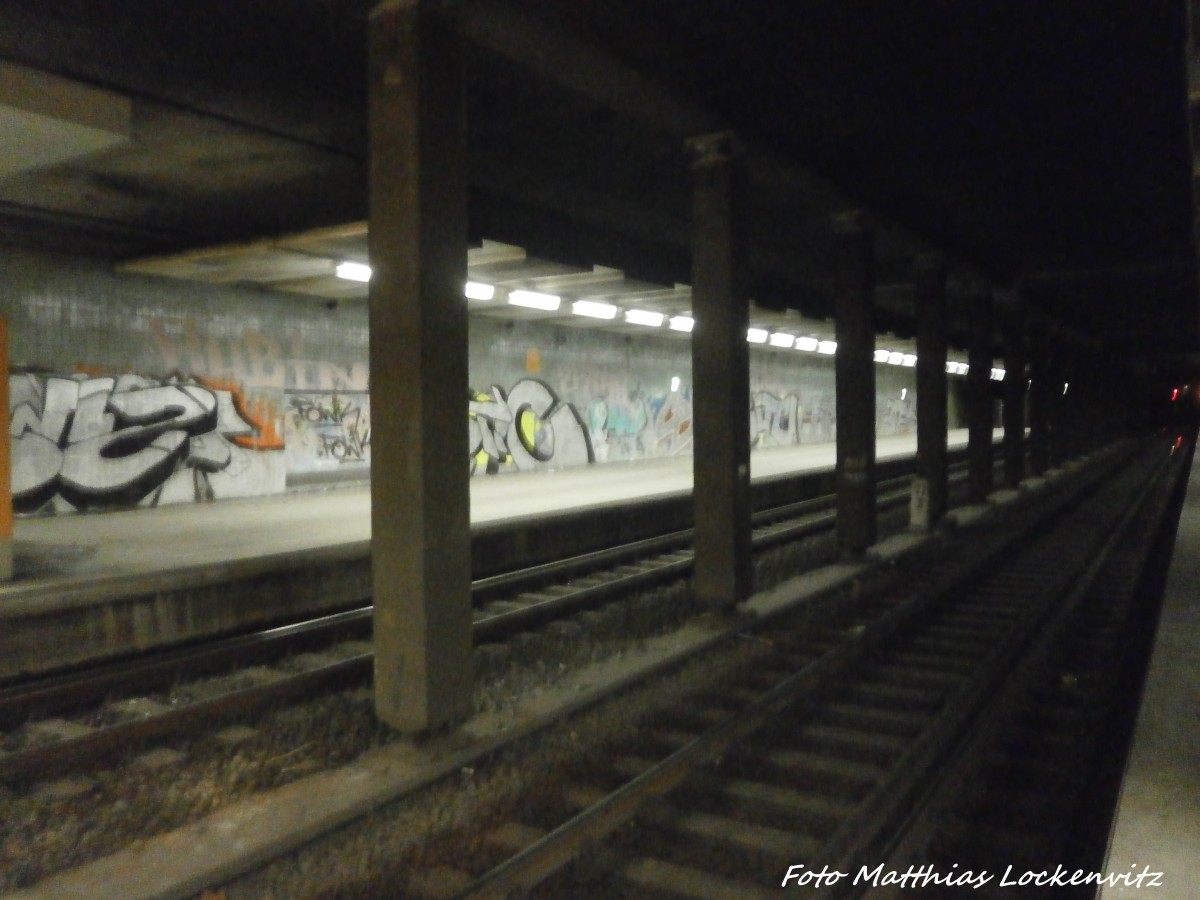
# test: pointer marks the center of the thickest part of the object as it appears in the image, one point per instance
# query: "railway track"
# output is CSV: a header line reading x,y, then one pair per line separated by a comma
x,y
93,717
808,764
1029,798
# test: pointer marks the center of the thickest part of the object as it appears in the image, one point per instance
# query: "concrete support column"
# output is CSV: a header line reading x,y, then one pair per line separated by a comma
x,y
931,476
720,375
420,500
6,507
854,286
1015,386
1043,388
979,398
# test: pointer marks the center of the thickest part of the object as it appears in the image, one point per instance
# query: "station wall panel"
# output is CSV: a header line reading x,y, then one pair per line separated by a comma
x,y
128,389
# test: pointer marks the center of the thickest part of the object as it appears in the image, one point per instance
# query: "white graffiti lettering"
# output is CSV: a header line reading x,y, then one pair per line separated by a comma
x,y
774,421
116,441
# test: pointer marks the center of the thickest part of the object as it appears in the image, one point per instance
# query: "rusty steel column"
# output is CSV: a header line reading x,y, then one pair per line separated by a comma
x,y
854,287
420,501
720,375
979,399
1015,385
930,480
1042,389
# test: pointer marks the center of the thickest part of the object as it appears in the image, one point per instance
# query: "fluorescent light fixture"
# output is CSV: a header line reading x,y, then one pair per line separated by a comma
x,y
594,310
644,317
950,368
827,347
476,290
895,358
962,368
353,271
809,344
756,335
910,360
779,339
881,356
997,374
534,300
681,323
674,383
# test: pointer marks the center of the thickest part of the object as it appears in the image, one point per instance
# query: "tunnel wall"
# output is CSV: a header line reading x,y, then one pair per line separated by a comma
x,y
130,390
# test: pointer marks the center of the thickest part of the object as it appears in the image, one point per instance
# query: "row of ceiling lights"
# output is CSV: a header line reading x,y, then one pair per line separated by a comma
x,y
475,290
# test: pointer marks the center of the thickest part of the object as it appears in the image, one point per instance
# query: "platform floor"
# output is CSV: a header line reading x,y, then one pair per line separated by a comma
x,y
164,539
1157,825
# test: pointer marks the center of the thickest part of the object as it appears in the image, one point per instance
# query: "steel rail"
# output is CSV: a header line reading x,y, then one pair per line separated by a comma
x,y
1098,616
913,775
112,742
534,864
75,690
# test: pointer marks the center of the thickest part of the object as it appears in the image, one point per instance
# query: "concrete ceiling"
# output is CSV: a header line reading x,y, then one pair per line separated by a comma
x,y
1037,144
305,266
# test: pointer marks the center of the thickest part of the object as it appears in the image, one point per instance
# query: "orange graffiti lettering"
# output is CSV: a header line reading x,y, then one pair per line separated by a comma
x,y
261,412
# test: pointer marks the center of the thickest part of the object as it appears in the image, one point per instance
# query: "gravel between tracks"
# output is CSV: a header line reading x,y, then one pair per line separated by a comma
x,y
54,826
447,820
445,825
49,827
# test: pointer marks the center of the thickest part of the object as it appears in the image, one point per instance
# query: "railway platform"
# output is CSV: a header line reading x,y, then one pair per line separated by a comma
x,y
1157,823
95,585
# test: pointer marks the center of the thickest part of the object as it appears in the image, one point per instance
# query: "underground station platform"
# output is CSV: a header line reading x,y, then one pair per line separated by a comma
x,y
98,585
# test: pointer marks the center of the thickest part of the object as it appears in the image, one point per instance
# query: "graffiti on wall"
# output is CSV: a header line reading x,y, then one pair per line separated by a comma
x,y
250,356
245,409
327,430
640,426
670,424
127,439
896,415
524,429
774,421
616,428
818,418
